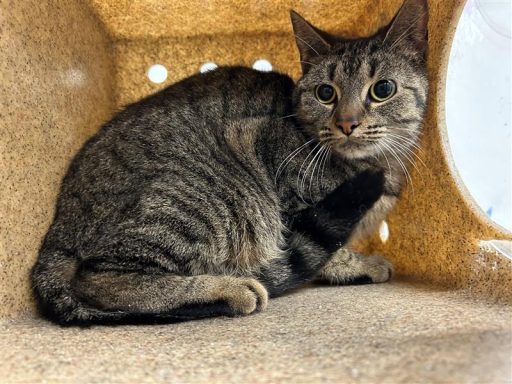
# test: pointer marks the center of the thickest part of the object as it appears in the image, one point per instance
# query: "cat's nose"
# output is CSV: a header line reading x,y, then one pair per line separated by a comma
x,y
347,126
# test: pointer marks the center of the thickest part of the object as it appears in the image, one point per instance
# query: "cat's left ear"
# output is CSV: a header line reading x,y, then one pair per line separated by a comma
x,y
310,40
409,28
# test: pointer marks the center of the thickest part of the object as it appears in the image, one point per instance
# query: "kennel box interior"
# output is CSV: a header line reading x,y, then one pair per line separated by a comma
x,y
67,67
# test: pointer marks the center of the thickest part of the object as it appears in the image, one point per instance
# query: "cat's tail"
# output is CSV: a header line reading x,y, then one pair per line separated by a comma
x,y
52,283
72,292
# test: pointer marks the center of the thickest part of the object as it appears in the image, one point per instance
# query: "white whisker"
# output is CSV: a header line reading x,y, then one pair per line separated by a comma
x,y
289,158
300,169
385,157
397,158
394,146
326,161
322,161
308,62
319,154
284,117
305,42
312,161
406,142
400,147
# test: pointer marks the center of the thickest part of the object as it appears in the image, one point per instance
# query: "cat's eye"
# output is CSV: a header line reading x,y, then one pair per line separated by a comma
x,y
382,90
325,94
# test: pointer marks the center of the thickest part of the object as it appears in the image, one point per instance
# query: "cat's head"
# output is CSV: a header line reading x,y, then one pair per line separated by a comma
x,y
364,96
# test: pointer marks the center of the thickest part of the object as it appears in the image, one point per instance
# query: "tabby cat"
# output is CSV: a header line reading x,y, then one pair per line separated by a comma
x,y
233,186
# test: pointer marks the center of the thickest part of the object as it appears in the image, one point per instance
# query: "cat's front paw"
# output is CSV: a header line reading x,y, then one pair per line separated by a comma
x,y
378,269
349,267
244,295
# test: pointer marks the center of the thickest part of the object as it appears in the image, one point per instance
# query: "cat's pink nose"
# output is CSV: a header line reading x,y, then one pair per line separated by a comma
x,y
347,126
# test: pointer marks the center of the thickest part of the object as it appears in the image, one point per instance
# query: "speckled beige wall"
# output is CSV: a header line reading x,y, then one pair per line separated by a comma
x,y
152,19
134,57
55,90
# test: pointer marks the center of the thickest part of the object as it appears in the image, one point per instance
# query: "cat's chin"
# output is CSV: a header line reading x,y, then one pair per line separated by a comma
x,y
352,150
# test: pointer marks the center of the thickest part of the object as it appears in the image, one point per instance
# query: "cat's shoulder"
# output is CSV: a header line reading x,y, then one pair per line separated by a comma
x,y
236,78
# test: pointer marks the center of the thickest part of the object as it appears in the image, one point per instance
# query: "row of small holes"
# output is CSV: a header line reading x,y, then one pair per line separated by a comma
x,y
157,73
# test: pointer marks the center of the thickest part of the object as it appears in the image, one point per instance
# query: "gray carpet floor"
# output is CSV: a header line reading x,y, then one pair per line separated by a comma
x,y
388,333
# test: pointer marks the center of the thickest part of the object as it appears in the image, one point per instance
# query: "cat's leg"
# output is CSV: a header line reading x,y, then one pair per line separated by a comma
x,y
298,264
317,232
160,295
350,267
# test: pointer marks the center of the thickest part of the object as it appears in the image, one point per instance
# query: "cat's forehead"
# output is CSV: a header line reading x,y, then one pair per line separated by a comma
x,y
357,62
353,64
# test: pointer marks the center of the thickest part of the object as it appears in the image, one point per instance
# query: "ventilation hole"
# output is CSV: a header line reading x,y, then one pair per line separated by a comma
x,y
384,231
157,73
210,66
262,65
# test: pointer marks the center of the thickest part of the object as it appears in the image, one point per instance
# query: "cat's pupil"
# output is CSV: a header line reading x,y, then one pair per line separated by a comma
x,y
383,89
325,93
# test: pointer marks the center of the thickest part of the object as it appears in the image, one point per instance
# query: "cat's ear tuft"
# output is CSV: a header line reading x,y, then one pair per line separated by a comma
x,y
309,40
409,28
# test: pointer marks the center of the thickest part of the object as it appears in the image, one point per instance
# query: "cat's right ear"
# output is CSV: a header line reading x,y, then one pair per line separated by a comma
x,y
309,40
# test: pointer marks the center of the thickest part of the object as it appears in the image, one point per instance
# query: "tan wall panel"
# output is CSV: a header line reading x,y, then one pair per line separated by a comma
x,y
184,56
55,90
143,19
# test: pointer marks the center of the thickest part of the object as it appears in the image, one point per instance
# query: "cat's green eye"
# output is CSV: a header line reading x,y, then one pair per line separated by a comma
x,y
325,94
382,90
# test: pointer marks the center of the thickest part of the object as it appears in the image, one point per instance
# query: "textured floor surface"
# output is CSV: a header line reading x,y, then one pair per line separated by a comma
x,y
388,333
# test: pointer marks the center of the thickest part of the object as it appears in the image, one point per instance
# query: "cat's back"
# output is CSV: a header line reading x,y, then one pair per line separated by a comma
x,y
224,93
195,112
191,114
186,145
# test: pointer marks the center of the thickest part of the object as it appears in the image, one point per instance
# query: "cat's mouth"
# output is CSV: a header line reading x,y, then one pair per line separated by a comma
x,y
342,140
352,146
355,145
